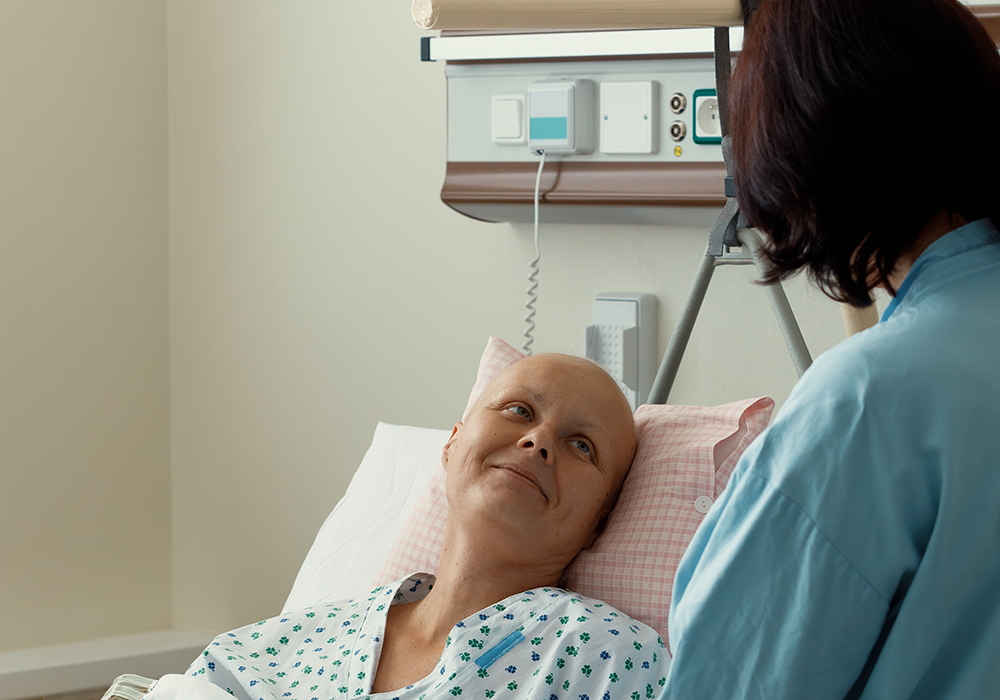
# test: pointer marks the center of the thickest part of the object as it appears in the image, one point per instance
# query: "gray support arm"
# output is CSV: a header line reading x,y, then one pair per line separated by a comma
x,y
752,244
682,332
790,331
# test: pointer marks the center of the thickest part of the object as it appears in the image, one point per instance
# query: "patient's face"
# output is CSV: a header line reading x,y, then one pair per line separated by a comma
x,y
541,457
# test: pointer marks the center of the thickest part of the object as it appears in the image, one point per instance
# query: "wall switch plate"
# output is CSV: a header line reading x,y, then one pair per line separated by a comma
x,y
623,341
507,120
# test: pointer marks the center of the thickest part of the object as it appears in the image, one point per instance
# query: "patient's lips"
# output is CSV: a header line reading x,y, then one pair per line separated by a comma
x,y
523,473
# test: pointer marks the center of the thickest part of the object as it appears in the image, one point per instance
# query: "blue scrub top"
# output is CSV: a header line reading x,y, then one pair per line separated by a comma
x,y
867,516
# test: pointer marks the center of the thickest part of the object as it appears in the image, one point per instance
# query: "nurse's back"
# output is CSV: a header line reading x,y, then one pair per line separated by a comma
x,y
857,546
912,497
856,551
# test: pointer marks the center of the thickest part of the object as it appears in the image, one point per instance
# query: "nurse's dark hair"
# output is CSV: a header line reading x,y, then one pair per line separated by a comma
x,y
855,123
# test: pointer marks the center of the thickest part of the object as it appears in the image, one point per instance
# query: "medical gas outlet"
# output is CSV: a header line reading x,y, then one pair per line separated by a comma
x,y
560,117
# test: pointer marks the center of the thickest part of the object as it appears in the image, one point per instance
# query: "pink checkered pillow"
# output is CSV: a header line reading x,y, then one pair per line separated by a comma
x,y
685,457
497,357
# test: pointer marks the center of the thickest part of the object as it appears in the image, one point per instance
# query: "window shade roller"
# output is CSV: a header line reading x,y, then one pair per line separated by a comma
x,y
575,14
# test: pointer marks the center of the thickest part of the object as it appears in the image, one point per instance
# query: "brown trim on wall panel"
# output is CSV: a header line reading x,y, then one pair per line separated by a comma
x,y
989,15
583,182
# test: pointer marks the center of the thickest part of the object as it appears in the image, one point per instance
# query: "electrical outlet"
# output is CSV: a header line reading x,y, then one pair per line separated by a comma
x,y
622,340
707,121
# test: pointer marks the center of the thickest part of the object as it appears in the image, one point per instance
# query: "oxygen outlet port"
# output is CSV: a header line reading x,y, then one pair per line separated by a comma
x,y
678,103
678,131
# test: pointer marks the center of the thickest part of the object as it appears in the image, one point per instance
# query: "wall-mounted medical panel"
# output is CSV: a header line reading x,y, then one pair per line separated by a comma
x,y
638,160
657,165
666,87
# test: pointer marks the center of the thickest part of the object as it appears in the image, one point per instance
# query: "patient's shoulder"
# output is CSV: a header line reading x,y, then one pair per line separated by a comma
x,y
584,614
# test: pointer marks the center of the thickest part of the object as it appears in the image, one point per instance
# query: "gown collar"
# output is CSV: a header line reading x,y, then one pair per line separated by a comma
x,y
961,240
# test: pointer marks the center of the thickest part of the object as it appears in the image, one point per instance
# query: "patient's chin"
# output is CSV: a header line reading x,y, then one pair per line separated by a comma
x,y
508,504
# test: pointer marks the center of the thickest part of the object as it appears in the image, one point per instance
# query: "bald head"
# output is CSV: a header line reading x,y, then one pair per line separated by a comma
x,y
583,388
538,462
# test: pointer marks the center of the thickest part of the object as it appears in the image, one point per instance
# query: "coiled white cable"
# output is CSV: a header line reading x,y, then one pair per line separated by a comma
x,y
529,337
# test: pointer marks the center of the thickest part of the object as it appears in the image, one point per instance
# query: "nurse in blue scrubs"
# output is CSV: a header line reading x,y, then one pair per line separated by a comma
x,y
856,551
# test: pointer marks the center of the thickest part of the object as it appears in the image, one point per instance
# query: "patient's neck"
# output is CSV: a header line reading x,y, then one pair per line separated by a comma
x,y
472,577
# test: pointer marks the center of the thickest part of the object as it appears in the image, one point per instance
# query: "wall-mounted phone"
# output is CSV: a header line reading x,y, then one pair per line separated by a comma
x,y
561,117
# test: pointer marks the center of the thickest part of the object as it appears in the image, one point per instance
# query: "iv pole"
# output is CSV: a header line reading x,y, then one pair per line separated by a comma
x,y
729,231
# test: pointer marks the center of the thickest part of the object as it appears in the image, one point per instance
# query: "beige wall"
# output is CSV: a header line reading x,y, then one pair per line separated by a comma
x,y
84,442
318,284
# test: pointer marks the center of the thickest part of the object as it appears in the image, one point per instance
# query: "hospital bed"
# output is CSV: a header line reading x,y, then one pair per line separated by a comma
x,y
395,510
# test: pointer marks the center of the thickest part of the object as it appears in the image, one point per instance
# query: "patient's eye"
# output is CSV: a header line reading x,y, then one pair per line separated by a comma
x,y
583,446
520,411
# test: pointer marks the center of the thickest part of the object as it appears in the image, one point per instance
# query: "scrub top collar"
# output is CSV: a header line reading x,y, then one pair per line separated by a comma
x,y
965,238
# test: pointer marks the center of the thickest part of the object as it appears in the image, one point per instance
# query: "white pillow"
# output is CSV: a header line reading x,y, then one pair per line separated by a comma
x,y
355,539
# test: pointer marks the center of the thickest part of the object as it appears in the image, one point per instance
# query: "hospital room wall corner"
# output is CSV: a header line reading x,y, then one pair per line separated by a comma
x,y
84,442
224,259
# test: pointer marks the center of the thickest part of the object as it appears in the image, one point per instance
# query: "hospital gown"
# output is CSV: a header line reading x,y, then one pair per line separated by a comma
x,y
543,643
867,517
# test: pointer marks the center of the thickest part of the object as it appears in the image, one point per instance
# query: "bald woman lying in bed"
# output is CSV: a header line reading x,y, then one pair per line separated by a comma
x,y
531,475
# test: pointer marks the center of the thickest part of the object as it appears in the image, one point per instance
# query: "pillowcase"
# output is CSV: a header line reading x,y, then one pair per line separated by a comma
x,y
684,459
353,542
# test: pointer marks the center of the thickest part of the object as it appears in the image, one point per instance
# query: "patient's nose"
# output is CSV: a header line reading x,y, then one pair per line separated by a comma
x,y
536,443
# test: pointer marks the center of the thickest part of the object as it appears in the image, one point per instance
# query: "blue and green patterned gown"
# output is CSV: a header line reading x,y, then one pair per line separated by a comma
x,y
543,643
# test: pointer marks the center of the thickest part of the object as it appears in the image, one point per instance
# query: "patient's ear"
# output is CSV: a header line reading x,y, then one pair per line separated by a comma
x,y
597,531
447,445
601,523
